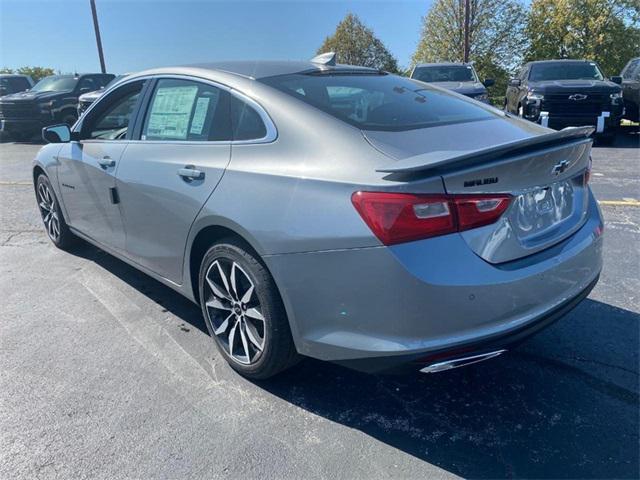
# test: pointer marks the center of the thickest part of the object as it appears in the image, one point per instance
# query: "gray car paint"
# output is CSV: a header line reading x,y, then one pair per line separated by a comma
x,y
346,296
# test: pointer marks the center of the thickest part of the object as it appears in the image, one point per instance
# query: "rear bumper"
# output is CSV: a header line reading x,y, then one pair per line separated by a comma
x,y
375,307
503,341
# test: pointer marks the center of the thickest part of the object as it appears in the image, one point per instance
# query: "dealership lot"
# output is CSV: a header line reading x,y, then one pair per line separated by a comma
x,y
107,373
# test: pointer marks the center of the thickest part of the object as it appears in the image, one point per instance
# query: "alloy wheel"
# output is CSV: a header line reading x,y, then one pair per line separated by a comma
x,y
49,212
234,311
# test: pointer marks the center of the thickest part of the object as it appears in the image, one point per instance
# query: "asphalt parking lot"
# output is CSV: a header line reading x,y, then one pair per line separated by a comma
x,y
105,373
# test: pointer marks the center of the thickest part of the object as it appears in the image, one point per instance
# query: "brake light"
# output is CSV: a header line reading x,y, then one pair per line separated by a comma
x,y
587,173
404,217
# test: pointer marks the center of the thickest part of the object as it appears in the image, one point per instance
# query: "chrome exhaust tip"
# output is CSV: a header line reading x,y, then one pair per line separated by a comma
x,y
460,362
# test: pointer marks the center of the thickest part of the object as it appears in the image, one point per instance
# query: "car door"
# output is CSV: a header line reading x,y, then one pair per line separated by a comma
x,y
519,91
631,86
168,172
87,167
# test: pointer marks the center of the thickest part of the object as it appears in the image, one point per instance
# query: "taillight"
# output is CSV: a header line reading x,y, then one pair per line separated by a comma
x,y
587,173
403,217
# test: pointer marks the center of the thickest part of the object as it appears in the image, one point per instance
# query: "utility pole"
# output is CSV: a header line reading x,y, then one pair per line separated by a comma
x,y
103,69
466,31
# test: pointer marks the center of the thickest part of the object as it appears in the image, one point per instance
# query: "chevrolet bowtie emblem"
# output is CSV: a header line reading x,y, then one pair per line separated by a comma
x,y
560,167
577,96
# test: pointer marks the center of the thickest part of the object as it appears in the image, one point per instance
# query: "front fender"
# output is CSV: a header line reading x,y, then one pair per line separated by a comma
x,y
47,160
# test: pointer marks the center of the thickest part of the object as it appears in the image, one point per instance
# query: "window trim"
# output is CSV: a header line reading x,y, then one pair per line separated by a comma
x,y
77,128
146,97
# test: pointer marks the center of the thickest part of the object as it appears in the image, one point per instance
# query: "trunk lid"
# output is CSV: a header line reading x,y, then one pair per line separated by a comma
x,y
545,174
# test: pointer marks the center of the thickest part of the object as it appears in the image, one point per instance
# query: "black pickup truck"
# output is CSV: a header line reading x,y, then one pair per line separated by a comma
x,y
562,93
52,100
631,89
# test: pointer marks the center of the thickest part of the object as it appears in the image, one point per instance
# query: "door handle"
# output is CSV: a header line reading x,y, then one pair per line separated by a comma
x,y
106,162
189,173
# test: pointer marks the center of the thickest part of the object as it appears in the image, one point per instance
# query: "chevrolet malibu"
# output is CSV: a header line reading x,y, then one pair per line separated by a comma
x,y
330,211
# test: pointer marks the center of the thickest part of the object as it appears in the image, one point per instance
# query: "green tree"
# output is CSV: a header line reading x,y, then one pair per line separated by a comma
x,y
497,38
6,70
36,73
355,44
605,31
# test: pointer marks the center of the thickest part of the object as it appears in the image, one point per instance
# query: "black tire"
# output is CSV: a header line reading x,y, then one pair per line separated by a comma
x,y
606,138
69,118
22,136
278,351
50,211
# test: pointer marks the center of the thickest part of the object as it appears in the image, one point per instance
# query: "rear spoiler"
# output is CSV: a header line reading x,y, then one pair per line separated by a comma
x,y
447,159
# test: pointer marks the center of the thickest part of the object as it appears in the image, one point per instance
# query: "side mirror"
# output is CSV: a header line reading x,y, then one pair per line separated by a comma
x,y
514,82
617,79
57,133
489,82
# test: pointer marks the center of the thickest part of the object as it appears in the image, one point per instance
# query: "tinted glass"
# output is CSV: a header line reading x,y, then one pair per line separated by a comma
x,y
186,110
632,70
379,102
55,83
89,84
111,121
457,73
247,124
565,71
13,84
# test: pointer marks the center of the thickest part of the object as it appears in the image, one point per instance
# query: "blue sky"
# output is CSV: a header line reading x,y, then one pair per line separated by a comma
x,y
141,34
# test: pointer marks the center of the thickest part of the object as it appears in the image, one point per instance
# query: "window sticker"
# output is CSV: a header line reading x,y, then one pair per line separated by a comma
x,y
199,116
170,112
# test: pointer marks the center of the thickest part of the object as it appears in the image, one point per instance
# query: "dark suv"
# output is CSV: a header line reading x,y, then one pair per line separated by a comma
x,y
52,100
631,89
459,77
12,83
562,93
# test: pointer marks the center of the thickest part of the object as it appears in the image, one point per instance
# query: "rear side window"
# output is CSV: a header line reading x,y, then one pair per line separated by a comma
x,y
247,123
379,101
187,110
445,73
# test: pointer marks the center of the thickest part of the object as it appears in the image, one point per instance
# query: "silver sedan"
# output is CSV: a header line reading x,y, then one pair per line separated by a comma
x,y
331,211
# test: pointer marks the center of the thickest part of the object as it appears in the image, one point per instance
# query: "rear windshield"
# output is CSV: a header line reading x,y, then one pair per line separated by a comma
x,y
449,73
55,84
379,101
565,71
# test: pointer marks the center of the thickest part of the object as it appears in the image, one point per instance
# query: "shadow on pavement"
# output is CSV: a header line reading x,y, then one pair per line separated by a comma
x,y
563,405
530,414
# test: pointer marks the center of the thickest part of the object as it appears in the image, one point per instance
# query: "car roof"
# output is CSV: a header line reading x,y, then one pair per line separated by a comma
x,y
560,60
20,75
438,64
257,69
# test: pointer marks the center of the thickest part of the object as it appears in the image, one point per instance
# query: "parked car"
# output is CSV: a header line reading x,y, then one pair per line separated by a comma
x,y
52,100
631,89
14,83
332,211
459,77
88,98
561,93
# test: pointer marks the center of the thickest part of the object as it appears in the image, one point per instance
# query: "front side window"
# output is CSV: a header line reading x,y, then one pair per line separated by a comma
x,y
565,71
187,110
632,70
56,83
111,117
445,73
378,101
